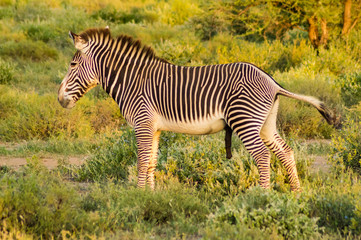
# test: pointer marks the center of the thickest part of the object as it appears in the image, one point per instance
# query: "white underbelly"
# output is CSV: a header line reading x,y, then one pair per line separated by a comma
x,y
204,126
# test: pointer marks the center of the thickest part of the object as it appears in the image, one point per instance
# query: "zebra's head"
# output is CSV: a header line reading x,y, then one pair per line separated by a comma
x,y
82,73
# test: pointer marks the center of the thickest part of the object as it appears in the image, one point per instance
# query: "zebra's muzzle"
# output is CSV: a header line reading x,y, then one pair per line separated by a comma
x,y
65,101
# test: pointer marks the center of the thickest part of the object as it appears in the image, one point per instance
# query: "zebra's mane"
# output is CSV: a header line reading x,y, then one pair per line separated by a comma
x,y
95,33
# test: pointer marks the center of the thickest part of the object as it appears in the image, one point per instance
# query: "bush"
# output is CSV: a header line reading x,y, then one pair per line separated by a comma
x,y
272,212
177,12
7,71
135,15
171,211
41,32
346,147
350,85
335,212
29,50
39,204
24,116
200,161
111,160
209,23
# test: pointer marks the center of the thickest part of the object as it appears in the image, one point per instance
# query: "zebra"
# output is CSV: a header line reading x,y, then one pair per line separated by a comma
x,y
154,95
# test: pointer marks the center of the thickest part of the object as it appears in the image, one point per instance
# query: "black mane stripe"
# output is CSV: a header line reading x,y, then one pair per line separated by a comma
x,y
95,33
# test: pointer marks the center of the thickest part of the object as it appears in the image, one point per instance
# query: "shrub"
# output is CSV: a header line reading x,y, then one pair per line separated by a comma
x,y
25,117
200,161
39,204
111,160
7,71
176,12
346,147
40,32
30,50
171,211
179,52
209,22
31,12
134,15
350,85
272,212
335,212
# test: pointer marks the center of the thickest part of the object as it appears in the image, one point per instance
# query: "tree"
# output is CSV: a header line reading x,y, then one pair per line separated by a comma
x,y
348,24
271,19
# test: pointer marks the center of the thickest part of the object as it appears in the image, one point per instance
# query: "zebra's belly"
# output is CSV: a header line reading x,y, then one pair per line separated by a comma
x,y
204,126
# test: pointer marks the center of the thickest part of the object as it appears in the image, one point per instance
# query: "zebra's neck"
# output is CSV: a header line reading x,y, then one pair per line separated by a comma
x,y
124,74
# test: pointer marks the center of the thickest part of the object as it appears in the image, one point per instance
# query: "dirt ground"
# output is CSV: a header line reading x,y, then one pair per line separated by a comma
x,y
320,163
49,162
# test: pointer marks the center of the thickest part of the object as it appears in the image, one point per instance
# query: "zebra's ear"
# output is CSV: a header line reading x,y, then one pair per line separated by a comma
x,y
78,41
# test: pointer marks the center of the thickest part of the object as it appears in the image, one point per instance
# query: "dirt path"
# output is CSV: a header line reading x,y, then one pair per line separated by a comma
x,y
49,162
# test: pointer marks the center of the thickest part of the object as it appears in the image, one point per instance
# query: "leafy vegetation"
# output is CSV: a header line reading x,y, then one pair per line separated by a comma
x,y
309,48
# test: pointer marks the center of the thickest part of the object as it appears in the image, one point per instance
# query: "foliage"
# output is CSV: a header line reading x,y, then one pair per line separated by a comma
x,y
41,204
135,15
6,72
23,116
269,211
30,50
38,203
350,85
346,149
111,160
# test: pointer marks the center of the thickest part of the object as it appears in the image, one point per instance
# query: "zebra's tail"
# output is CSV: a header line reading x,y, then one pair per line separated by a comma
x,y
327,113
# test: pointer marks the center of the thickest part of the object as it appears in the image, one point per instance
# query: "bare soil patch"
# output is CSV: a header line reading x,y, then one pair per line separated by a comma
x,y
49,162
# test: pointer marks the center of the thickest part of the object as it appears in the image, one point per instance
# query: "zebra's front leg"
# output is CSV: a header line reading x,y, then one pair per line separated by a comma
x,y
144,136
153,160
147,142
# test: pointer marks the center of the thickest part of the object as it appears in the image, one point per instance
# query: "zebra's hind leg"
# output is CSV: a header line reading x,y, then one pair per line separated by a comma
x,y
279,147
258,150
153,160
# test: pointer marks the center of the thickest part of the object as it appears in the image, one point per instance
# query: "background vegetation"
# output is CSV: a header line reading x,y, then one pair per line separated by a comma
x,y
310,48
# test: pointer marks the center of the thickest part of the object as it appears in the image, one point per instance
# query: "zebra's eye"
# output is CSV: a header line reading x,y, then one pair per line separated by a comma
x,y
73,64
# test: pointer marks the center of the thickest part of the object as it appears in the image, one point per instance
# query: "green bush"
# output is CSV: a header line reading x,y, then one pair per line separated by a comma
x,y
31,12
7,71
346,147
39,204
135,15
23,116
111,160
272,212
42,204
209,22
350,85
168,211
30,50
335,212
40,32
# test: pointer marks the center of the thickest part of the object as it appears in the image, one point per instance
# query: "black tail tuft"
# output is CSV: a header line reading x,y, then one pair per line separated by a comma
x,y
330,116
